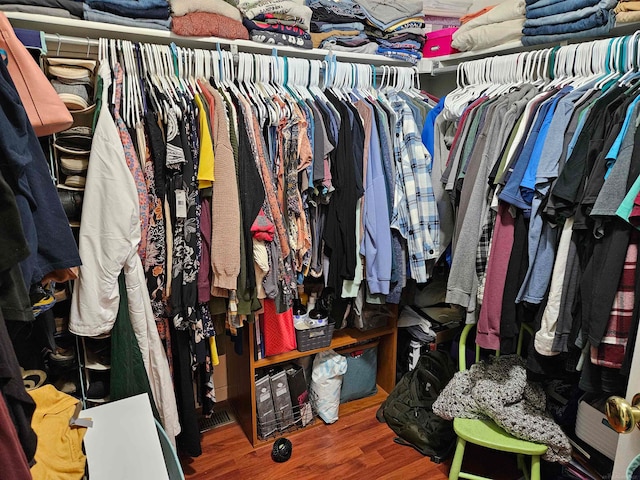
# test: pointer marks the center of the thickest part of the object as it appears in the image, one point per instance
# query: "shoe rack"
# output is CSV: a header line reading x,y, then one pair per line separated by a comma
x,y
96,362
74,79
71,147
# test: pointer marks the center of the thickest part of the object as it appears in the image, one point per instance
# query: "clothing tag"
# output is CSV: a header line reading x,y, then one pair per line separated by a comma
x,y
74,421
81,422
181,204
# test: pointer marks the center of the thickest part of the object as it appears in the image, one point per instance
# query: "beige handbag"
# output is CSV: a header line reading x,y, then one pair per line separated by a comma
x,y
46,112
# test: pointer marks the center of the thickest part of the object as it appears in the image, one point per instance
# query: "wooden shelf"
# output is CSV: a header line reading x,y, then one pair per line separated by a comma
x,y
85,30
241,370
341,338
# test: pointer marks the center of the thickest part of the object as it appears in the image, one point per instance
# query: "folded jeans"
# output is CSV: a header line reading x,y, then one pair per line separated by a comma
x,y
598,19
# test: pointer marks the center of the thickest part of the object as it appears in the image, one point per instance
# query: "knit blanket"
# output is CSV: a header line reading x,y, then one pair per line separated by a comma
x,y
498,390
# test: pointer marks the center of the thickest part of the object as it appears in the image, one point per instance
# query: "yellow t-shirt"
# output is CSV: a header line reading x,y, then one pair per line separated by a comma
x,y
59,452
205,168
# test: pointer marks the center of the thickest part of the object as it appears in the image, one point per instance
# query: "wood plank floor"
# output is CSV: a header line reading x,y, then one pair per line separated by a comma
x,y
357,446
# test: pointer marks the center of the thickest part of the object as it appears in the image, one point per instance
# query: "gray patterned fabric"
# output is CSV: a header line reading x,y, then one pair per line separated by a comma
x,y
498,390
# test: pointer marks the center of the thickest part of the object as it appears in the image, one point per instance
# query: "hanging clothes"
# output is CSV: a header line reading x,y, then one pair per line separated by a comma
x,y
94,304
43,220
231,194
536,177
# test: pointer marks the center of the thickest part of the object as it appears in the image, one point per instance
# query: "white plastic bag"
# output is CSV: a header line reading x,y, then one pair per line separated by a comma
x,y
326,382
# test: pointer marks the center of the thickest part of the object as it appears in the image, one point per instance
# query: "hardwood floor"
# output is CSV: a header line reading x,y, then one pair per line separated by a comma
x,y
357,446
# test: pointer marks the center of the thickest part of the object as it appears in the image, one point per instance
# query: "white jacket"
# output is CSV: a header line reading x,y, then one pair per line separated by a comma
x,y
109,239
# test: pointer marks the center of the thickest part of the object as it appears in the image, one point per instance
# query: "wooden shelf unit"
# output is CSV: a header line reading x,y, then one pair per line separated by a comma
x,y
241,371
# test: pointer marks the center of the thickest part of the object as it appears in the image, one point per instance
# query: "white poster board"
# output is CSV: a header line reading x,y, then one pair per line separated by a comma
x,y
123,443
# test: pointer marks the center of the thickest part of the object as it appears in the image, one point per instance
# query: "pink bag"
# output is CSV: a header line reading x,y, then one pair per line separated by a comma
x,y
45,110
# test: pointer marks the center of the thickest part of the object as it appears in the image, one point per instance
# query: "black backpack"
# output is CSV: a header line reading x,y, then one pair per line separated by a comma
x,y
408,408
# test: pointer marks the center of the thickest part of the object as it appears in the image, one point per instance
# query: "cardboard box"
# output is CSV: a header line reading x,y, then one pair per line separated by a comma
x,y
592,427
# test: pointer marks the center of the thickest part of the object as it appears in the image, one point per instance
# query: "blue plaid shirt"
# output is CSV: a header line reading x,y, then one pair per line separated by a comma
x,y
415,212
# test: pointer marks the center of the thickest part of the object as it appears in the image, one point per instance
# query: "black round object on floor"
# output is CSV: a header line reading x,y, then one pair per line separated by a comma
x,y
282,449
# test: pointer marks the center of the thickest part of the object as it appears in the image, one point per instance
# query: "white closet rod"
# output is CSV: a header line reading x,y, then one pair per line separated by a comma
x,y
610,57
450,63
56,41
52,37
89,47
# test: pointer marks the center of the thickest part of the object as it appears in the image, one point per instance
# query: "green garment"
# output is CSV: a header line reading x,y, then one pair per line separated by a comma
x,y
128,375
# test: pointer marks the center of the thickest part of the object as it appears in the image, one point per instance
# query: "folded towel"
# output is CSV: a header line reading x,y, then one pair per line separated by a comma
x,y
182,7
202,24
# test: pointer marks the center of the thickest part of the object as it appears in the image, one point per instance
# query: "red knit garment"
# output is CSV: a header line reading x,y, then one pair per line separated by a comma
x,y
278,333
202,24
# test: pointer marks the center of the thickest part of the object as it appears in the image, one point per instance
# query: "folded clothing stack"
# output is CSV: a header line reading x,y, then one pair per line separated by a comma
x,y
551,21
398,28
627,11
277,22
131,13
207,18
53,8
339,26
499,25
